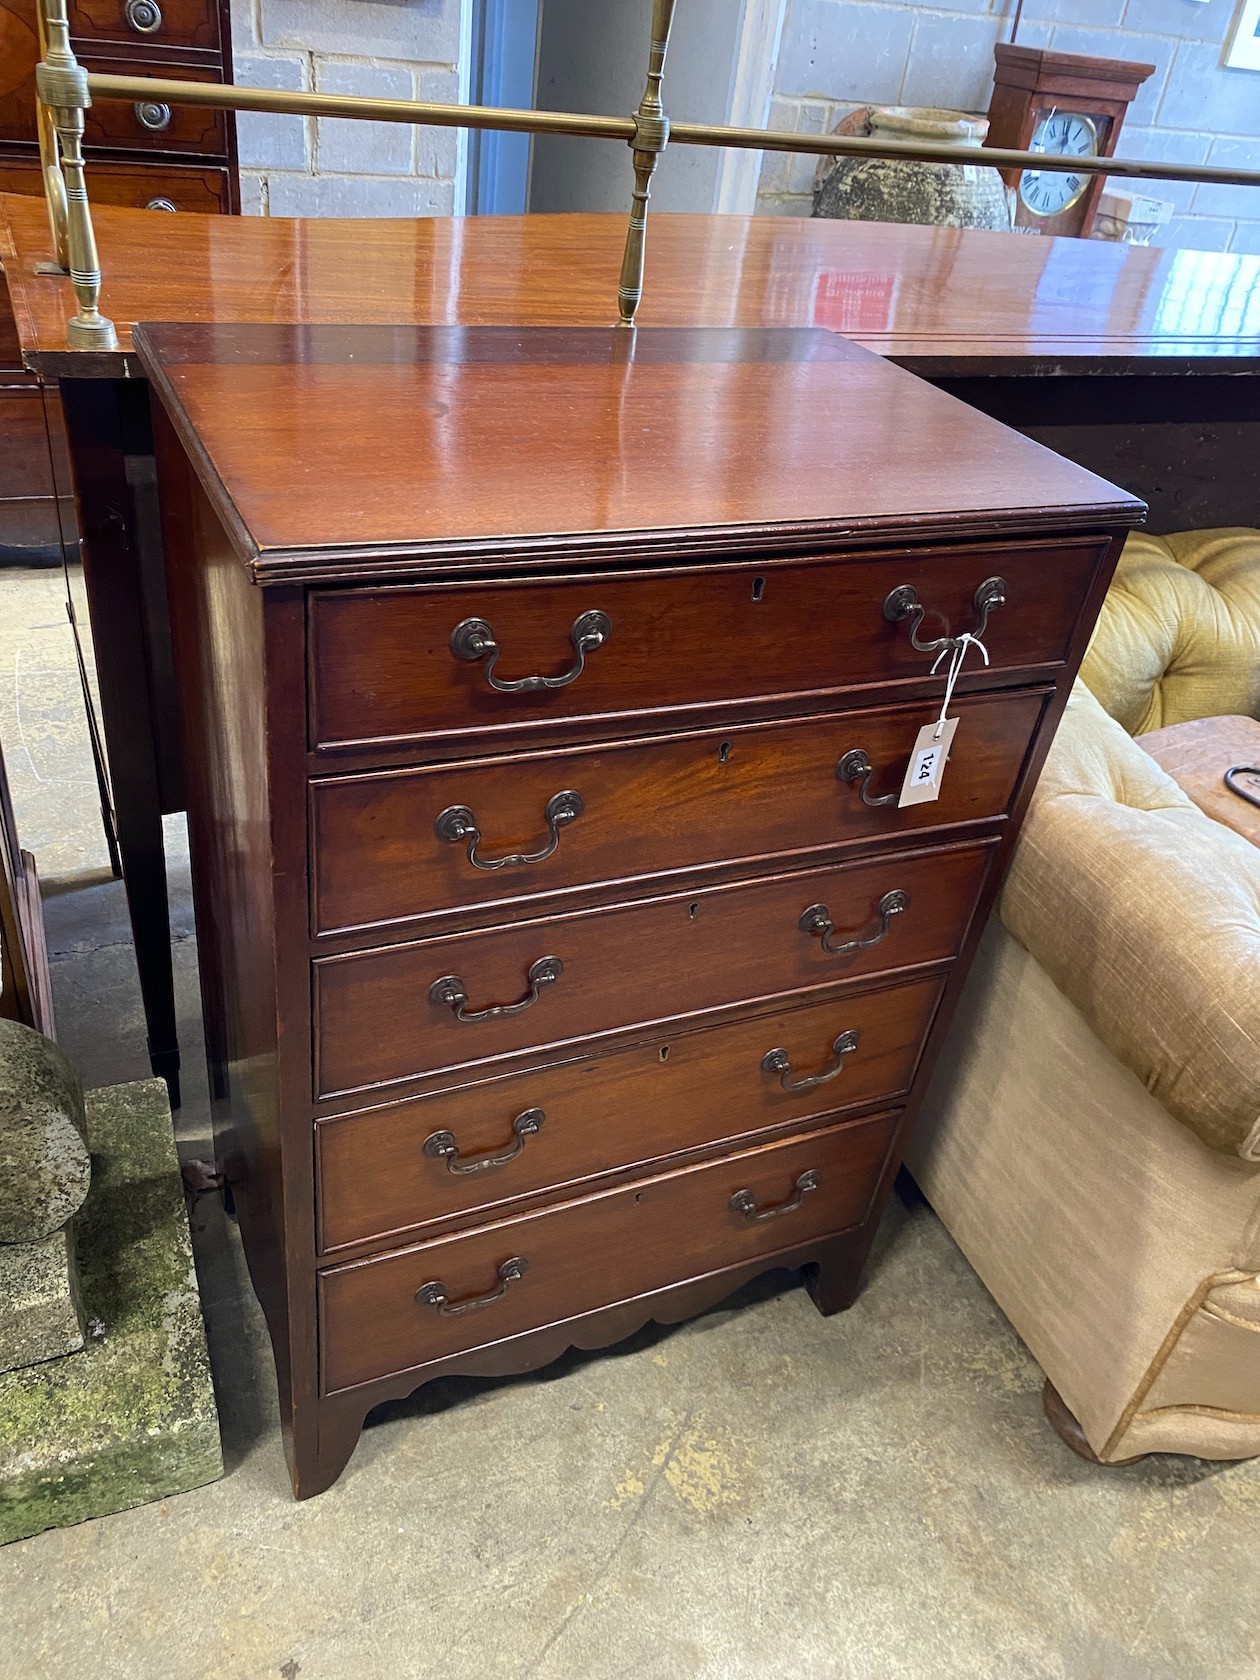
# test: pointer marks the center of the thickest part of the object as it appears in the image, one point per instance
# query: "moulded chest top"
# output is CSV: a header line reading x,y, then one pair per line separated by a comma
x,y
329,449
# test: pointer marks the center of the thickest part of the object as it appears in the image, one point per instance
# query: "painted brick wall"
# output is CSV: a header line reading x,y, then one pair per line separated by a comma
x,y
837,54
306,166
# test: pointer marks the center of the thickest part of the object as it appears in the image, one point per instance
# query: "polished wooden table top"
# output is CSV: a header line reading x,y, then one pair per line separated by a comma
x,y
449,445
935,299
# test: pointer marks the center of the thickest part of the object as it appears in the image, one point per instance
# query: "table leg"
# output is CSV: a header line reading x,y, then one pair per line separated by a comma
x,y
108,425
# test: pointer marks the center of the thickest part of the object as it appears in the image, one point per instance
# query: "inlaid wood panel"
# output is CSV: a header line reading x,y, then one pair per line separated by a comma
x,y
378,1020
160,185
599,1114
148,23
19,54
681,803
153,127
383,667
678,1224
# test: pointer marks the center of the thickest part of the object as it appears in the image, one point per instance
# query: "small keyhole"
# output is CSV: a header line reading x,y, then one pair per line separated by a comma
x,y
664,1052
638,1197
693,910
759,588
724,753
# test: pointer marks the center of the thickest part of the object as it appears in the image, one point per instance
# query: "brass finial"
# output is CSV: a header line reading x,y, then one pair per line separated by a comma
x,y
651,136
61,83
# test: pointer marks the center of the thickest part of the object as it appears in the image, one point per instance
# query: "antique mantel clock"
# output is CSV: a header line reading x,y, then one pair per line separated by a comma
x,y
1059,102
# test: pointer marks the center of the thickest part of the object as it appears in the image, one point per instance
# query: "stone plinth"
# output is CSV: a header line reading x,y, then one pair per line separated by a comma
x,y
131,1417
44,1176
39,1301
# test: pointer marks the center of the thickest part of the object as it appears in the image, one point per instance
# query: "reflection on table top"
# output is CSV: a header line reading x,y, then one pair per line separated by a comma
x,y
473,441
937,299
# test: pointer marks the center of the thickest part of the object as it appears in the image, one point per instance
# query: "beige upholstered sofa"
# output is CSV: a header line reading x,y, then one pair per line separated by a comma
x,y
1092,1135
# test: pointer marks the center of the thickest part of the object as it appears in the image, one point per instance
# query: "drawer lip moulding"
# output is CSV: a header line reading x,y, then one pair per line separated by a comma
x,y
393,849
389,1017
648,1233
550,1130
382,671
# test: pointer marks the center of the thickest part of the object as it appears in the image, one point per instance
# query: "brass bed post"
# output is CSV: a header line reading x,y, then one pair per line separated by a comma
x,y
61,83
50,162
650,139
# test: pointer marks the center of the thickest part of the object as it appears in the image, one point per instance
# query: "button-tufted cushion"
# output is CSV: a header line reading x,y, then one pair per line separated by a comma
x,y
1179,633
1146,914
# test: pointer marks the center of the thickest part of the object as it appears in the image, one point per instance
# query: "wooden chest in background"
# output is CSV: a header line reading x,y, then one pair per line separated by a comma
x,y
142,155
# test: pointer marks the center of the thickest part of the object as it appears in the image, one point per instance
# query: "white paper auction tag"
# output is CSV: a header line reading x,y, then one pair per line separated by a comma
x,y
928,759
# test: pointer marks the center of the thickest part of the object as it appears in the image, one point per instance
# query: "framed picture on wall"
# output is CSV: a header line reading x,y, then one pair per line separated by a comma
x,y
1244,48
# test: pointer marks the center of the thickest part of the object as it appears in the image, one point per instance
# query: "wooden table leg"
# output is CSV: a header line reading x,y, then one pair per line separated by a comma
x,y
108,426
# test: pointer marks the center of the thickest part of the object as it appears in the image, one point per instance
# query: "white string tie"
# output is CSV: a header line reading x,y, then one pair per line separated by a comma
x,y
957,649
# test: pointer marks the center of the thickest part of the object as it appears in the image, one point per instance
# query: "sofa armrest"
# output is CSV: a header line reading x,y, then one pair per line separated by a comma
x,y
1178,634
1146,914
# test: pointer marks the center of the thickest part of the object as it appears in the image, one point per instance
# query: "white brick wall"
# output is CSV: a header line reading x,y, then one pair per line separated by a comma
x,y
306,166
838,54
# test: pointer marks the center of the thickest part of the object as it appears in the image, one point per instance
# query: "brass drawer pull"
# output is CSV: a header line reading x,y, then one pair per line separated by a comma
x,y
474,639
434,1294
777,1061
817,919
450,993
903,602
743,1201
144,16
152,115
441,1146
857,764
161,204
458,824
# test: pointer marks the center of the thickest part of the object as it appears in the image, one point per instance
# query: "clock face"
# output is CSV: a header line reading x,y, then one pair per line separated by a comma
x,y
1049,193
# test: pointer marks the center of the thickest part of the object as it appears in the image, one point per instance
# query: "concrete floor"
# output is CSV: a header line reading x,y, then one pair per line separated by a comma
x,y
759,1493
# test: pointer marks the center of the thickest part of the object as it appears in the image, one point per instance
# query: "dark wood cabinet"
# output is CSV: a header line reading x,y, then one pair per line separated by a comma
x,y
145,156
497,1074
190,39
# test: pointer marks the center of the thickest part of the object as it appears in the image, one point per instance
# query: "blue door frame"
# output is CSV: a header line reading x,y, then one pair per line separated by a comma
x,y
504,51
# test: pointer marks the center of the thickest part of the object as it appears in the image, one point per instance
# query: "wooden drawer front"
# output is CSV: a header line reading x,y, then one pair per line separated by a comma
x,y
32,533
25,455
383,667
158,23
19,54
629,1109
185,128
378,1022
649,808
139,186
10,346
592,1253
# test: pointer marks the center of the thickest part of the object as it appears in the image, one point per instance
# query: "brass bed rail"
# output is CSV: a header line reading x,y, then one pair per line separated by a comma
x,y
66,90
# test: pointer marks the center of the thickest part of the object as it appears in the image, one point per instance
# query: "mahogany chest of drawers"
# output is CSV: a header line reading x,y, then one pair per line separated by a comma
x,y
567,956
